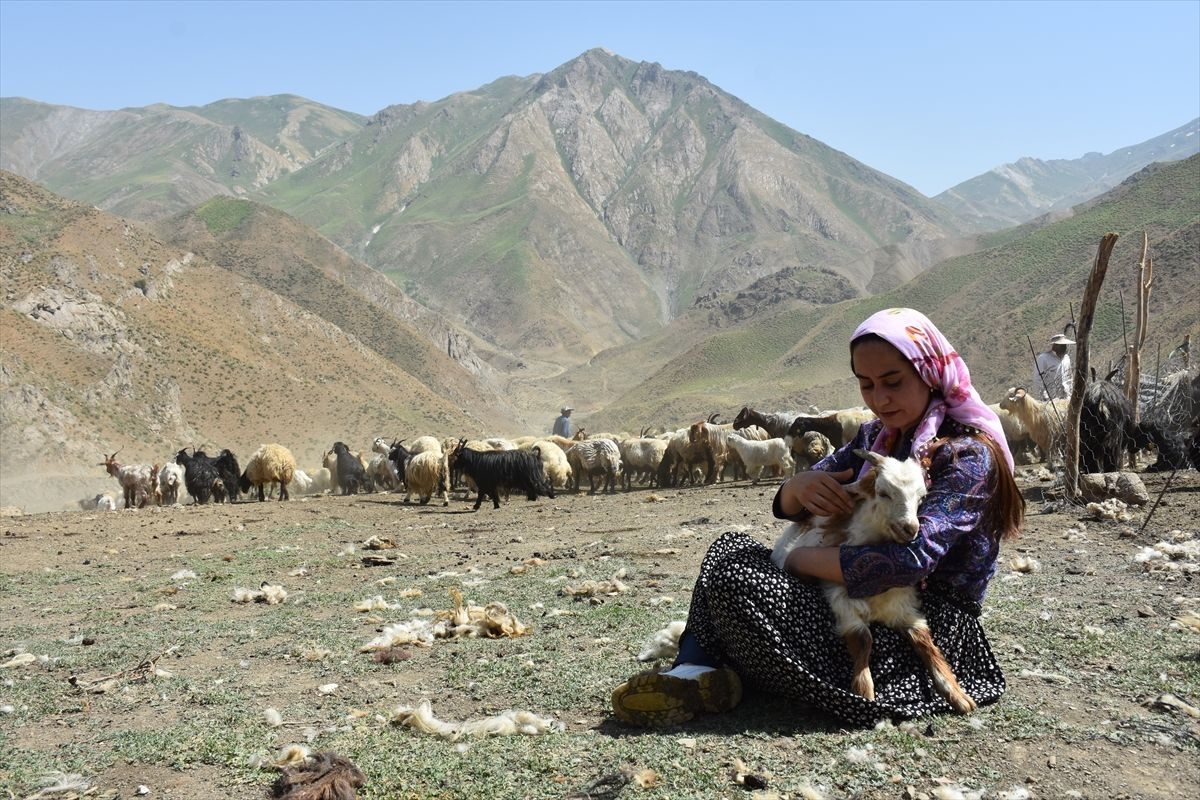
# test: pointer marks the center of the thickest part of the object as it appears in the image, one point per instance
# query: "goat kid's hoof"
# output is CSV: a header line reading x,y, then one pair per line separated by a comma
x,y
864,686
963,703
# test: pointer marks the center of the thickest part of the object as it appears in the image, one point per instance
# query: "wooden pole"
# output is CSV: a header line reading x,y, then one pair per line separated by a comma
x,y
1133,369
1079,381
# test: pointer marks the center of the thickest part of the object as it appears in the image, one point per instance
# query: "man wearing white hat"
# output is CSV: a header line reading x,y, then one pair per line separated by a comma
x,y
562,425
1052,370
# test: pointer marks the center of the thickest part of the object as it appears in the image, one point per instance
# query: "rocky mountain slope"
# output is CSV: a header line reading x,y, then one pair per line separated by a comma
x,y
114,339
570,212
149,163
1015,193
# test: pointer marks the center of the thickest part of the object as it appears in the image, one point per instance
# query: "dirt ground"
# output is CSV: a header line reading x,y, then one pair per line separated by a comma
x,y
1089,640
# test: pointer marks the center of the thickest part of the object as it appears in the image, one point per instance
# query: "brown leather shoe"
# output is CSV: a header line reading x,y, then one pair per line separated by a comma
x,y
653,699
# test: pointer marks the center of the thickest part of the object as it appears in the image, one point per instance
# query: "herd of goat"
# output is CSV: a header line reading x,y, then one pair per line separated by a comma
x,y
703,452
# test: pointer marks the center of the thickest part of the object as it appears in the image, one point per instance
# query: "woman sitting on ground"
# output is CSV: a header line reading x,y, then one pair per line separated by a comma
x,y
750,621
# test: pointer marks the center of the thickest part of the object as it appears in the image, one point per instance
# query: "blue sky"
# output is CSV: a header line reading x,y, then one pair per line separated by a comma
x,y
930,93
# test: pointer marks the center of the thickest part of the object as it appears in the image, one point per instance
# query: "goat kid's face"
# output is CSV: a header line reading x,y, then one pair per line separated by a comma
x,y
892,493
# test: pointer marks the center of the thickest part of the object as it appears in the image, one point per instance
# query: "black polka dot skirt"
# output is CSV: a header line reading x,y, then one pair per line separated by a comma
x,y
778,633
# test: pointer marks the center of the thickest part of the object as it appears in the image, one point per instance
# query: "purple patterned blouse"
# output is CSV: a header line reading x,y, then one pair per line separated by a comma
x,y
952,547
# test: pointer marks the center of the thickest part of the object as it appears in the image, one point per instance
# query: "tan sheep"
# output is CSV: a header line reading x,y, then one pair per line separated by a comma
x,y
270,463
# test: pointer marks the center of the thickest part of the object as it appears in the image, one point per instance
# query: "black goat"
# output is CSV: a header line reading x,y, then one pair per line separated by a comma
x,y
231,474
1106,428
498,469
200,475
399,455
351,476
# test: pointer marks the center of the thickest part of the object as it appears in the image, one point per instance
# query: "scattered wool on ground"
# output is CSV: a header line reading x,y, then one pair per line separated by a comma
x,y
506,723
1111,509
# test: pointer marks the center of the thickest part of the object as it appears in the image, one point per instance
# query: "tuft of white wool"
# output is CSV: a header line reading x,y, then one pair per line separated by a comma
x,y
273,717
376,603
859,755
293,755
183,575
1025,564
664,644
271,594
507,723
61,783
1110,509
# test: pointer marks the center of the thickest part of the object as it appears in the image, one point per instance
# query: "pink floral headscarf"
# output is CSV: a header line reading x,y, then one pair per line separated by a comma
x,y
942,370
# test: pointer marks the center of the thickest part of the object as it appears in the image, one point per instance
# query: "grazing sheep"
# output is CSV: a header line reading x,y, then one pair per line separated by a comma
x,y
640,459
1042,418
886,501
270,463
424,475
423,444
139,482
593,457
504,468
170,481
351,474
757,456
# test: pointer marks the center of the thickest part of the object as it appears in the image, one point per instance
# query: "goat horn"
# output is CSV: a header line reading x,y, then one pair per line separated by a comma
x,y
713,417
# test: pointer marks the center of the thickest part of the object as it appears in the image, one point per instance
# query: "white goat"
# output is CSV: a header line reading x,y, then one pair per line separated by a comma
x,y
886,502
383,472
1042,418
757,456
640,459
321,480
170,483
138,481
301,482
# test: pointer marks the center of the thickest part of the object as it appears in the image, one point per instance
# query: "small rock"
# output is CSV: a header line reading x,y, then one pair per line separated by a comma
x,y
1146,611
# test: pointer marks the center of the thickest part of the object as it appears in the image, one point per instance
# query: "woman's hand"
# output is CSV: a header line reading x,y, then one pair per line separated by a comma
x,y
821,493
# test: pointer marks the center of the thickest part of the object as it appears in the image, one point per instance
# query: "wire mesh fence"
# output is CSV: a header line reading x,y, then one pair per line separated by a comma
x,y
1161,434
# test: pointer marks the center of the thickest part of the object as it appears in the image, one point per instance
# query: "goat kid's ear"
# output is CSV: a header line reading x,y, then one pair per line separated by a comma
x,y
867,455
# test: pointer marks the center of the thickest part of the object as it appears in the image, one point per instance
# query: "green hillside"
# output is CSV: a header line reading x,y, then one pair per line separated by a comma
x,y
986,303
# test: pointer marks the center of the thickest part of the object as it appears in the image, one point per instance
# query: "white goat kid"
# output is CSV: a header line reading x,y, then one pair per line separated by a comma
x,y
886,502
